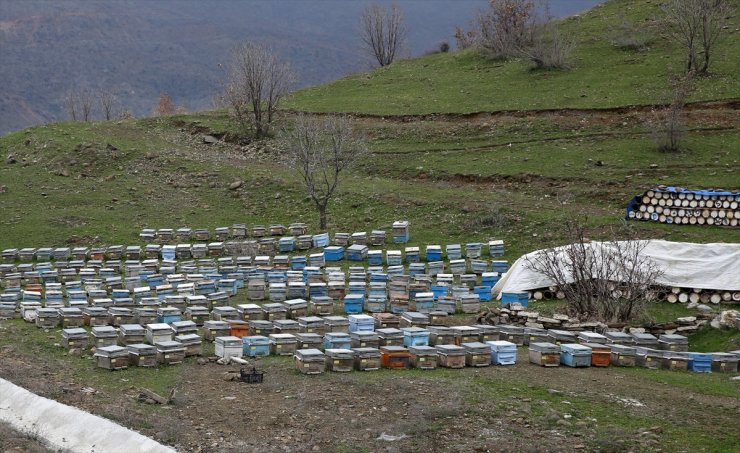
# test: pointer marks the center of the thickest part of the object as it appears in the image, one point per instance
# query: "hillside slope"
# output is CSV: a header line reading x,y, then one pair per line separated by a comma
x,y
603,74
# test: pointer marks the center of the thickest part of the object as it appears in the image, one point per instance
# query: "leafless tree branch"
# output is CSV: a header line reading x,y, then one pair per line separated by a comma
x,y
383,32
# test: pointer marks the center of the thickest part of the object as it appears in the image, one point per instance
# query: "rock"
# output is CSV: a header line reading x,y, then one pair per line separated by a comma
x,y
202,361
235,185
544,320
10,159
3,188
209,139
716,323
63,172
686,320
692,305
703,307
560,317
728,318
634,330
653,165
110,147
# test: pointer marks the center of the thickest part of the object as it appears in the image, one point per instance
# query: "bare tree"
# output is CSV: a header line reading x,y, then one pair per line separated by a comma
x,y
668,125
257,81
107,102
165,106
70,103
505,27
608,281
549,49
697,25
320,150
79,104
86,101
383,32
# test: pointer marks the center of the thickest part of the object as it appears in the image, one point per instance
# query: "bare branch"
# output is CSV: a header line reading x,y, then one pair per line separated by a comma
x,y
107,101
383,32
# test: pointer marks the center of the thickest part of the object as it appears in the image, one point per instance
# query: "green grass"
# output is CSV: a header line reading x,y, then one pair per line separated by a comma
x,y
715,340
716,384
603,75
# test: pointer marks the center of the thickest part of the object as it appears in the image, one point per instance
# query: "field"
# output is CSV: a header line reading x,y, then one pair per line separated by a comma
x,y
460,166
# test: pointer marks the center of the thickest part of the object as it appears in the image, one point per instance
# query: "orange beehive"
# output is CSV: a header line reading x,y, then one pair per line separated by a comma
x,y
239,329
600,354
395,357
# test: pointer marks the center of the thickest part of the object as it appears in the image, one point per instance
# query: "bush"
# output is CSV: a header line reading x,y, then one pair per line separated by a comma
x,y
444,47
668,124
629,36
550,49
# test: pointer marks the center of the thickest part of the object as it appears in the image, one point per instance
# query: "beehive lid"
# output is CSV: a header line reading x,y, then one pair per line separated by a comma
x,y
215,325
310,355
545,347
168,345
465,330
393,349
248,308
296,303
111,351
575,348
197,310
321,299
450,349
366,352
364,335
74,333
599,347
283,337
310,320
156,327
555,333
256,340
644,337
132,329
309,337
476,346
500,345
229,341
70,312
141,349
423,350
47,312
336,320
225,310
95,311
440,330
190,338
361,319
510,329
337,336
184,325
274,307
415,316
260,324
339,353
673,338
389,332
104,331
619,336
591,337
622,349
724,357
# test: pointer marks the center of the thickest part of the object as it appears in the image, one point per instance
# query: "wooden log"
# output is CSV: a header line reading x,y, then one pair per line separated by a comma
x,y
694,298
675,290
736,296
538,295
672,298
715,298
705,297
726,296
683,297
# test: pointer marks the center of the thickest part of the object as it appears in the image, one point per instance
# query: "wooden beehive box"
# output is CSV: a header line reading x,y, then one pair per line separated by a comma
x,y
283,344
143,355
228,346
389,336
249,312
213,329
285,326
673,342
296,308
145,315
723,362
225,314
192,343
170,352
622,355
513,334
600,354
158,332
274,311
366,358
131,334
364,339
75,338
395,357
112,357
238,328
675,360
465,334
386,320
260,327
309,341
451,356
71,317
311,324
47,318
423,357
544,354
256,346
199,315
104,336
441,335
575,355
310,361
184,327
502,352
336,324
477,354
322,306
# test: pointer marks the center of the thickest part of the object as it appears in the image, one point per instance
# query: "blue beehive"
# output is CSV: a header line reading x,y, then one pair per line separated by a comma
x,y
440,291
256,346
317,259
337,340
502,352
454,252
521,297
433,253
478,266
575,355
377,304
489,279
286,244
415,336
401,231
499,266
424,302
354,303
417,269
357,252
317,290
334,253
375,257
393,257
496,248
297,263
378,277
484,292
320,240
700,363
361,323
228,285
458,266
168,315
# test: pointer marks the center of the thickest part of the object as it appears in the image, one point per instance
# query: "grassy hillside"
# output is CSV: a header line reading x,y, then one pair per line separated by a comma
x,y
603,75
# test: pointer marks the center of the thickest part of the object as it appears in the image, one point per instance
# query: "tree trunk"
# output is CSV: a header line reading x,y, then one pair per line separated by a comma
x,y
322,216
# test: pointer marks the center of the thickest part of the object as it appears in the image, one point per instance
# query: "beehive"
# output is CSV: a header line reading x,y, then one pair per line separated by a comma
x,y
364,339
140,354
158,332
544,354
423,357
395,357
366,358
673,342
283,344
47,318
337,340
389,337
104,336
600,354
199,315
112,357
386,320
514,334
621,338
75,338
440,335
131,334
648,357
465,334
521,297
623,355
591,337
575,355
184,327
415,336
256,346
502,352
229,346
310,361
451,356
170,352
296,308
723,362
309,341
339,359
274,311
258,327
559,337
336,324
477,354
700,362
645,340
675,360
192,343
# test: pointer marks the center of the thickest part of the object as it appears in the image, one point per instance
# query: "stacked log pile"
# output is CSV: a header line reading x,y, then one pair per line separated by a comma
x,y
676,205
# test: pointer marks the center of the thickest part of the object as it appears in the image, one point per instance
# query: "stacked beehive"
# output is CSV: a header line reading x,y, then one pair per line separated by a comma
x,y
677,205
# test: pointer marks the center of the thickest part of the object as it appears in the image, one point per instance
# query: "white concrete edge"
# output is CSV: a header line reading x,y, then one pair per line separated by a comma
x,y
68,428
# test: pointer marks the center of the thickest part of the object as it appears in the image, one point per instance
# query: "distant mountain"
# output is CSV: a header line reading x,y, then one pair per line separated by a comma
x,y
140,48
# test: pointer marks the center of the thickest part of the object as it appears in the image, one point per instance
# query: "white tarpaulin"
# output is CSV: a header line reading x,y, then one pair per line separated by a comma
x,y
67,428
684,264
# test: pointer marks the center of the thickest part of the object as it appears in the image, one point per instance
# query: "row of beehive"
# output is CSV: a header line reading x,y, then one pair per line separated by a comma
x,y
236,231
680,206
246,249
